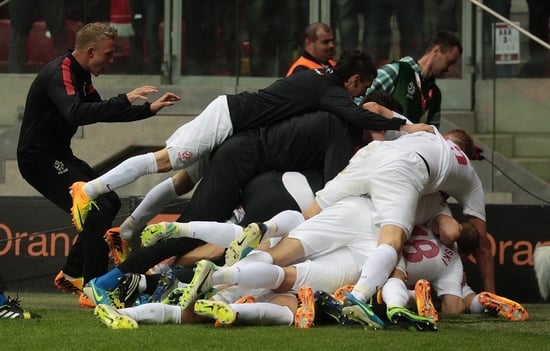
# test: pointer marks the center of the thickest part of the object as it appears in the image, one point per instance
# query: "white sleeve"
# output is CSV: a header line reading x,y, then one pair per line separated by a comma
x,y
349,182
473,201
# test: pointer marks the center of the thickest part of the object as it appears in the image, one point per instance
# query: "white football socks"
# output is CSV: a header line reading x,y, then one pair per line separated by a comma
x,y
263,313
153,313
475,305
282,223
255,256
375,271
253,275
221,234
125,173
395,293
154,201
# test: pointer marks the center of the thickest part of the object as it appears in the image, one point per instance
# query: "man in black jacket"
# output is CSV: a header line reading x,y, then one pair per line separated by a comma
x,y
62,98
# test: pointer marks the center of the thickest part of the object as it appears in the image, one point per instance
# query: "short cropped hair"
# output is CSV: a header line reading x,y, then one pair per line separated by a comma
x,y
354,61
311,30
446,41
92,33
464,140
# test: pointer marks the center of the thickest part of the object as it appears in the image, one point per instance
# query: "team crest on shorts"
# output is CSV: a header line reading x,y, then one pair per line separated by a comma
x,y
185,156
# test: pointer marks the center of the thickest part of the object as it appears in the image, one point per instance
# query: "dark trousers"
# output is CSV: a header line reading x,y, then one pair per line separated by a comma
x,y
52,177
3,286
273,28
539,14
146,16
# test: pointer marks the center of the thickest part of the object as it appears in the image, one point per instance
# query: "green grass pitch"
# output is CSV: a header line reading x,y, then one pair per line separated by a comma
x,y
66,326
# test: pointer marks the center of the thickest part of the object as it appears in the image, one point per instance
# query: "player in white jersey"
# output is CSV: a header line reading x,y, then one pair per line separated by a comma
x,y
395,174
426,258
234,304
335,244
330,250
327,270
328,267
430,263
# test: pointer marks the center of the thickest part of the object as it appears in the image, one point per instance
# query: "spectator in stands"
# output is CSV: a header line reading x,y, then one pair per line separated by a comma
x,y
318,49
272,27
146,16
377,16
539,14
96,11
348,12
21,17
209,37
441,15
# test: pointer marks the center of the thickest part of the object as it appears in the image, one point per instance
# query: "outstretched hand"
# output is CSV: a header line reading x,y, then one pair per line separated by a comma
x,y
168,99
141,93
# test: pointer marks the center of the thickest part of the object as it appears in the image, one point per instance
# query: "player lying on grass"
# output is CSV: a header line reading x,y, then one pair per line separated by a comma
x,y
229,306
341,226
332,267
277,193
312,271
427,260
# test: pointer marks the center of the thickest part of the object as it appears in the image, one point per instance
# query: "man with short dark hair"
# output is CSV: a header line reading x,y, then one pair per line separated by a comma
x,y
412,82
318,49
